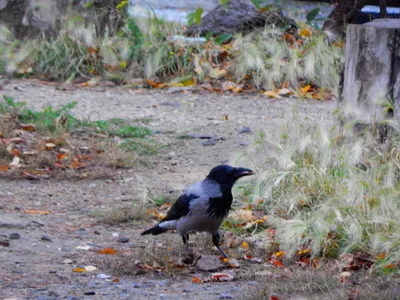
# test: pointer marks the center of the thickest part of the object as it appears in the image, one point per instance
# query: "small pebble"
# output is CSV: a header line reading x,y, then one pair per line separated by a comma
x,y
226,296
67,261
245,129
89,293
96,232
252,283
123,240
45,238
53,272
14,236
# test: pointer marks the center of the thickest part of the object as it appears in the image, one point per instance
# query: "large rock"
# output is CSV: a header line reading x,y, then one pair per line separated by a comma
x,y
239,16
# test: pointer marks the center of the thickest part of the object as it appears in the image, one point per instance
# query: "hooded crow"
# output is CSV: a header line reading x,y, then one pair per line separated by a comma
x,y
203,206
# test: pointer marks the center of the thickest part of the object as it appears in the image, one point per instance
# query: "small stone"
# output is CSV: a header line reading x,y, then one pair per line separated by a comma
x,y
67,261
123,240
225,296
89,293
46,238
53,272
252,283
201,136
210,142
115,234
96,232
245,129
38,222
187,291
174,162
14,236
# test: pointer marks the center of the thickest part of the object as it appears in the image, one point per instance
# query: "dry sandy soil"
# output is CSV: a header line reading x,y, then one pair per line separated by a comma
x,y
35,268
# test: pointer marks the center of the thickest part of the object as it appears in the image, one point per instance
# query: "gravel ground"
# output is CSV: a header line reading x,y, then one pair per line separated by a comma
x,y
38,264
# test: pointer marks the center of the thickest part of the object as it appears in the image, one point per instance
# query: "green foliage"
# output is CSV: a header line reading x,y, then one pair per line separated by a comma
x,y
195,16
222,38
51,120
312,14
257,3
46,120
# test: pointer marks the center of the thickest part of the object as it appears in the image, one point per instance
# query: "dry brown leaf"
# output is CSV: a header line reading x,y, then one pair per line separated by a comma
x,y
28,127
221,277
4,168
36,212
243,215
228,86
245,245
154,84
284,92
217,73
272,94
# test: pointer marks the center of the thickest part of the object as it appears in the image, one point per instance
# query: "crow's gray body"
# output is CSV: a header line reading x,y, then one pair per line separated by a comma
x,y
203,206
198,218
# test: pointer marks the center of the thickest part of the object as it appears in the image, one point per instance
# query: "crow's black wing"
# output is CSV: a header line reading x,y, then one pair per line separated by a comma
x,y
180,208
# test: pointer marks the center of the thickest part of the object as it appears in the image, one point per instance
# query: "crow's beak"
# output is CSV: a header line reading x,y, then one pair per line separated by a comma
x,y
240,172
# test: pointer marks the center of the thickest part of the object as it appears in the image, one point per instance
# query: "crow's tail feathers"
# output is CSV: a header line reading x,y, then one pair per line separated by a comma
x,y
154,230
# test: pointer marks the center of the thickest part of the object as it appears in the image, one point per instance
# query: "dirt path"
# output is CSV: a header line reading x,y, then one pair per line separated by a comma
x,y
33,268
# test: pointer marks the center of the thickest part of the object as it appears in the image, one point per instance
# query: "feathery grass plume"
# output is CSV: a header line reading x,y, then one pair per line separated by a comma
x,y
270,60
330,190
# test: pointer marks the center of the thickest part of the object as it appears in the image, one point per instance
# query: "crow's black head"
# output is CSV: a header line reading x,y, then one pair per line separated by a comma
x,y
227,175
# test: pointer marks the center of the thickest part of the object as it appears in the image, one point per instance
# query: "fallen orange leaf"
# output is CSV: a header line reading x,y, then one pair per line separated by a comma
x,y
116,279
196,280
3,168
61,156
154,84
277,263
308,250
79,270
273,298
305,89
226,118
390,266
107,251
382,256
36,212
279,254
245,245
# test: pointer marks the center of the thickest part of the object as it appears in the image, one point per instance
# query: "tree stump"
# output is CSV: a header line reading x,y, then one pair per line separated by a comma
x,y
372,72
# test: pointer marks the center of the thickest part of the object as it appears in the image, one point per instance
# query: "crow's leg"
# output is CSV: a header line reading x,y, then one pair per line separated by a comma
x,y
185,238
215,239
